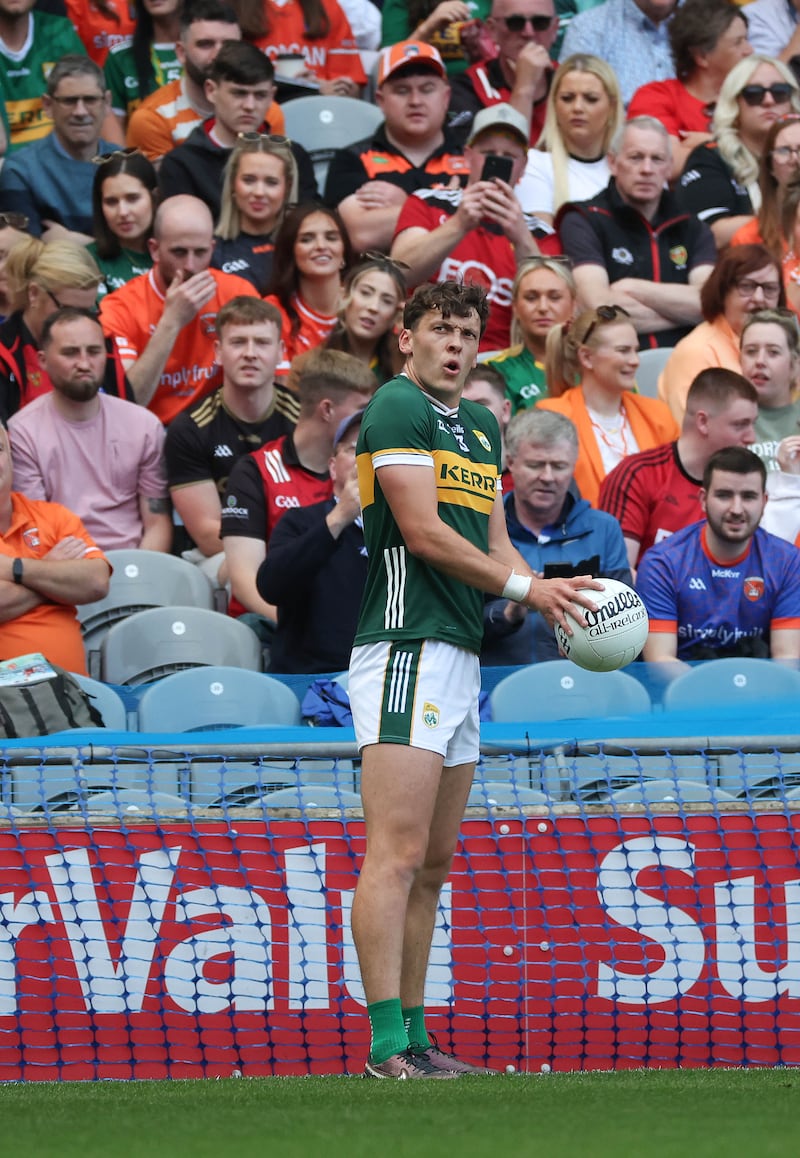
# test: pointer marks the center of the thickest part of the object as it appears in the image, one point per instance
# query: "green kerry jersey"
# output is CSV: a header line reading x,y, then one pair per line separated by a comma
x,y
23,76
405,598
526,383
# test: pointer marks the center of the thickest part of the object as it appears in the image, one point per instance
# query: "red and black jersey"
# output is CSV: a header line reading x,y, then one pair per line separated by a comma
x,y
651,496
264,485
377,159
481,86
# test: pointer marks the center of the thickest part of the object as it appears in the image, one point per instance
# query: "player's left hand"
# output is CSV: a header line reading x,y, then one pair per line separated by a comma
x,y
553,598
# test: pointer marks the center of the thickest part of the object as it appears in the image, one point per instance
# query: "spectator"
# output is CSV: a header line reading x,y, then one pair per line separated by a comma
x,y
570,161
311,251
320,31
240,89
543,295
124,196
247,410
288,472
163,321
452,27
30,42
167,116
599,352
48,564
633,36
790,233
316,568
656,492
521,72
778,168
769,350
135,69
724,586
719,182
486,385
634,244
707,38
556,532
41,279
13,227
101,25
782,513
773,28
373,297
50,180
745,279
371,181
101,457
476,233
259,183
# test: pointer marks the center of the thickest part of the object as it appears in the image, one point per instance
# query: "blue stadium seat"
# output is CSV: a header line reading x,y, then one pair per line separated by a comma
x,y
311,796
205,698
732,683
669,791
651,363
504,793
106,701
163,640
559,690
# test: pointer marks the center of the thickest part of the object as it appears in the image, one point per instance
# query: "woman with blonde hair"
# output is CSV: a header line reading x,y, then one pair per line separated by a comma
x,y
591,366
720,180
584,110
43,278
259,183
372,299
543,295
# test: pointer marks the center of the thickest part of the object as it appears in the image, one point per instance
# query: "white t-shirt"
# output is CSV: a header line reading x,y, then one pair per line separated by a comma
x,y
585,179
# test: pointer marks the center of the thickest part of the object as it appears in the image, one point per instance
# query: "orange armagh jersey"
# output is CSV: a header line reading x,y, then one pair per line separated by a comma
x,y
333,55
131,313
51,628
313,330
166,118
98,30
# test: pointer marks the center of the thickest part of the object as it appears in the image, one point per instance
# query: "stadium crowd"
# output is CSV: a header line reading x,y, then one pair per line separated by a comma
x,y
195,314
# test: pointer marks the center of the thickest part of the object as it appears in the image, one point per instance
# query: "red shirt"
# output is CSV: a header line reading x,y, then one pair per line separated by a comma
x,y
670,102
651,496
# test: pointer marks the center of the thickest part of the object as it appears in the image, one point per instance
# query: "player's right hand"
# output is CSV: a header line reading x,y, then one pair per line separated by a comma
x,y
553,598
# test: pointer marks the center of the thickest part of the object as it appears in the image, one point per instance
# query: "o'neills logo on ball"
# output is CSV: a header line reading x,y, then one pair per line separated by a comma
x,y
625,608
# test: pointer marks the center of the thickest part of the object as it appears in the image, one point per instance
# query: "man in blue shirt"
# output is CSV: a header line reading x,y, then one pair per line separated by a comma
x,y
631,35
557,533
724,587
50,181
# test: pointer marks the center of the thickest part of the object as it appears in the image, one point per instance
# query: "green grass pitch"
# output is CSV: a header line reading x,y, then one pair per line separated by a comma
x,y
634,1114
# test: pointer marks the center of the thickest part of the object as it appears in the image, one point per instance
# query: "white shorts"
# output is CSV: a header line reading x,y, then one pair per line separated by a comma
x,y
421,693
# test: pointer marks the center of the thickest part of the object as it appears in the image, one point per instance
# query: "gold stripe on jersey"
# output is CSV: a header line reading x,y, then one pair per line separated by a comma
x,y
396,456
283,403
460,482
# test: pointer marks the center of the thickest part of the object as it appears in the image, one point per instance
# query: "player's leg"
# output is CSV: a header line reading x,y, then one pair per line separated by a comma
x,y
399,792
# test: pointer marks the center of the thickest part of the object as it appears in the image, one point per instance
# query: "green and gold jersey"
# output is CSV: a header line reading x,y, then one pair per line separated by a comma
x,y
123,81
23,76
405,598
525,379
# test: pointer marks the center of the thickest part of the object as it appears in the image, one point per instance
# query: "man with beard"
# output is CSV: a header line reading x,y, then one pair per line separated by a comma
x,y
166,118
725,586
101,457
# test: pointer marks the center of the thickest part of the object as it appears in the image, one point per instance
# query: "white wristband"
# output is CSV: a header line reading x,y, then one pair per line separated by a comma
x,y
517,587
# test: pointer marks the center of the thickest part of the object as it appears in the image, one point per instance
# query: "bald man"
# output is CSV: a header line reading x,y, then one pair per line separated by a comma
x,y
163,321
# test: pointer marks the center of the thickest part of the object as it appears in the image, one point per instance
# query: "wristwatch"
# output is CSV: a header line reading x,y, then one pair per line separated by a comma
x,y
16,570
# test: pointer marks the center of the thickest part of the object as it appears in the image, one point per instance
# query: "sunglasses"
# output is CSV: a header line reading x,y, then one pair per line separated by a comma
x,y
375,257
754,94
604,314
104,158
270,138
517,22
540,262
13,221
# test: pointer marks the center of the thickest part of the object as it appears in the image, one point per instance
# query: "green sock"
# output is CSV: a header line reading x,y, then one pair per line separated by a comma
x,y
388,1032
414,1021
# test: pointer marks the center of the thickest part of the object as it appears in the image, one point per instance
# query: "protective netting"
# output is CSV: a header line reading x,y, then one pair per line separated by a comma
x,y
181,911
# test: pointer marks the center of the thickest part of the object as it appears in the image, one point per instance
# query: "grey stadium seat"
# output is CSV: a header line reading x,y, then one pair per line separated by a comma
x,y
651,365
205,698
323,124
732,683
155,643
559,690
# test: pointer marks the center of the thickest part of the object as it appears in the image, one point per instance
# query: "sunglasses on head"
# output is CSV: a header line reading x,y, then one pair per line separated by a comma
x,y
754,94
13,221
104,158
604,314
517,22
270,138
382,259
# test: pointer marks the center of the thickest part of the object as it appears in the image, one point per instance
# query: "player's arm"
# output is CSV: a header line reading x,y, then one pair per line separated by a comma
x,y
784,643
411,494
244,556
156,523
199,507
